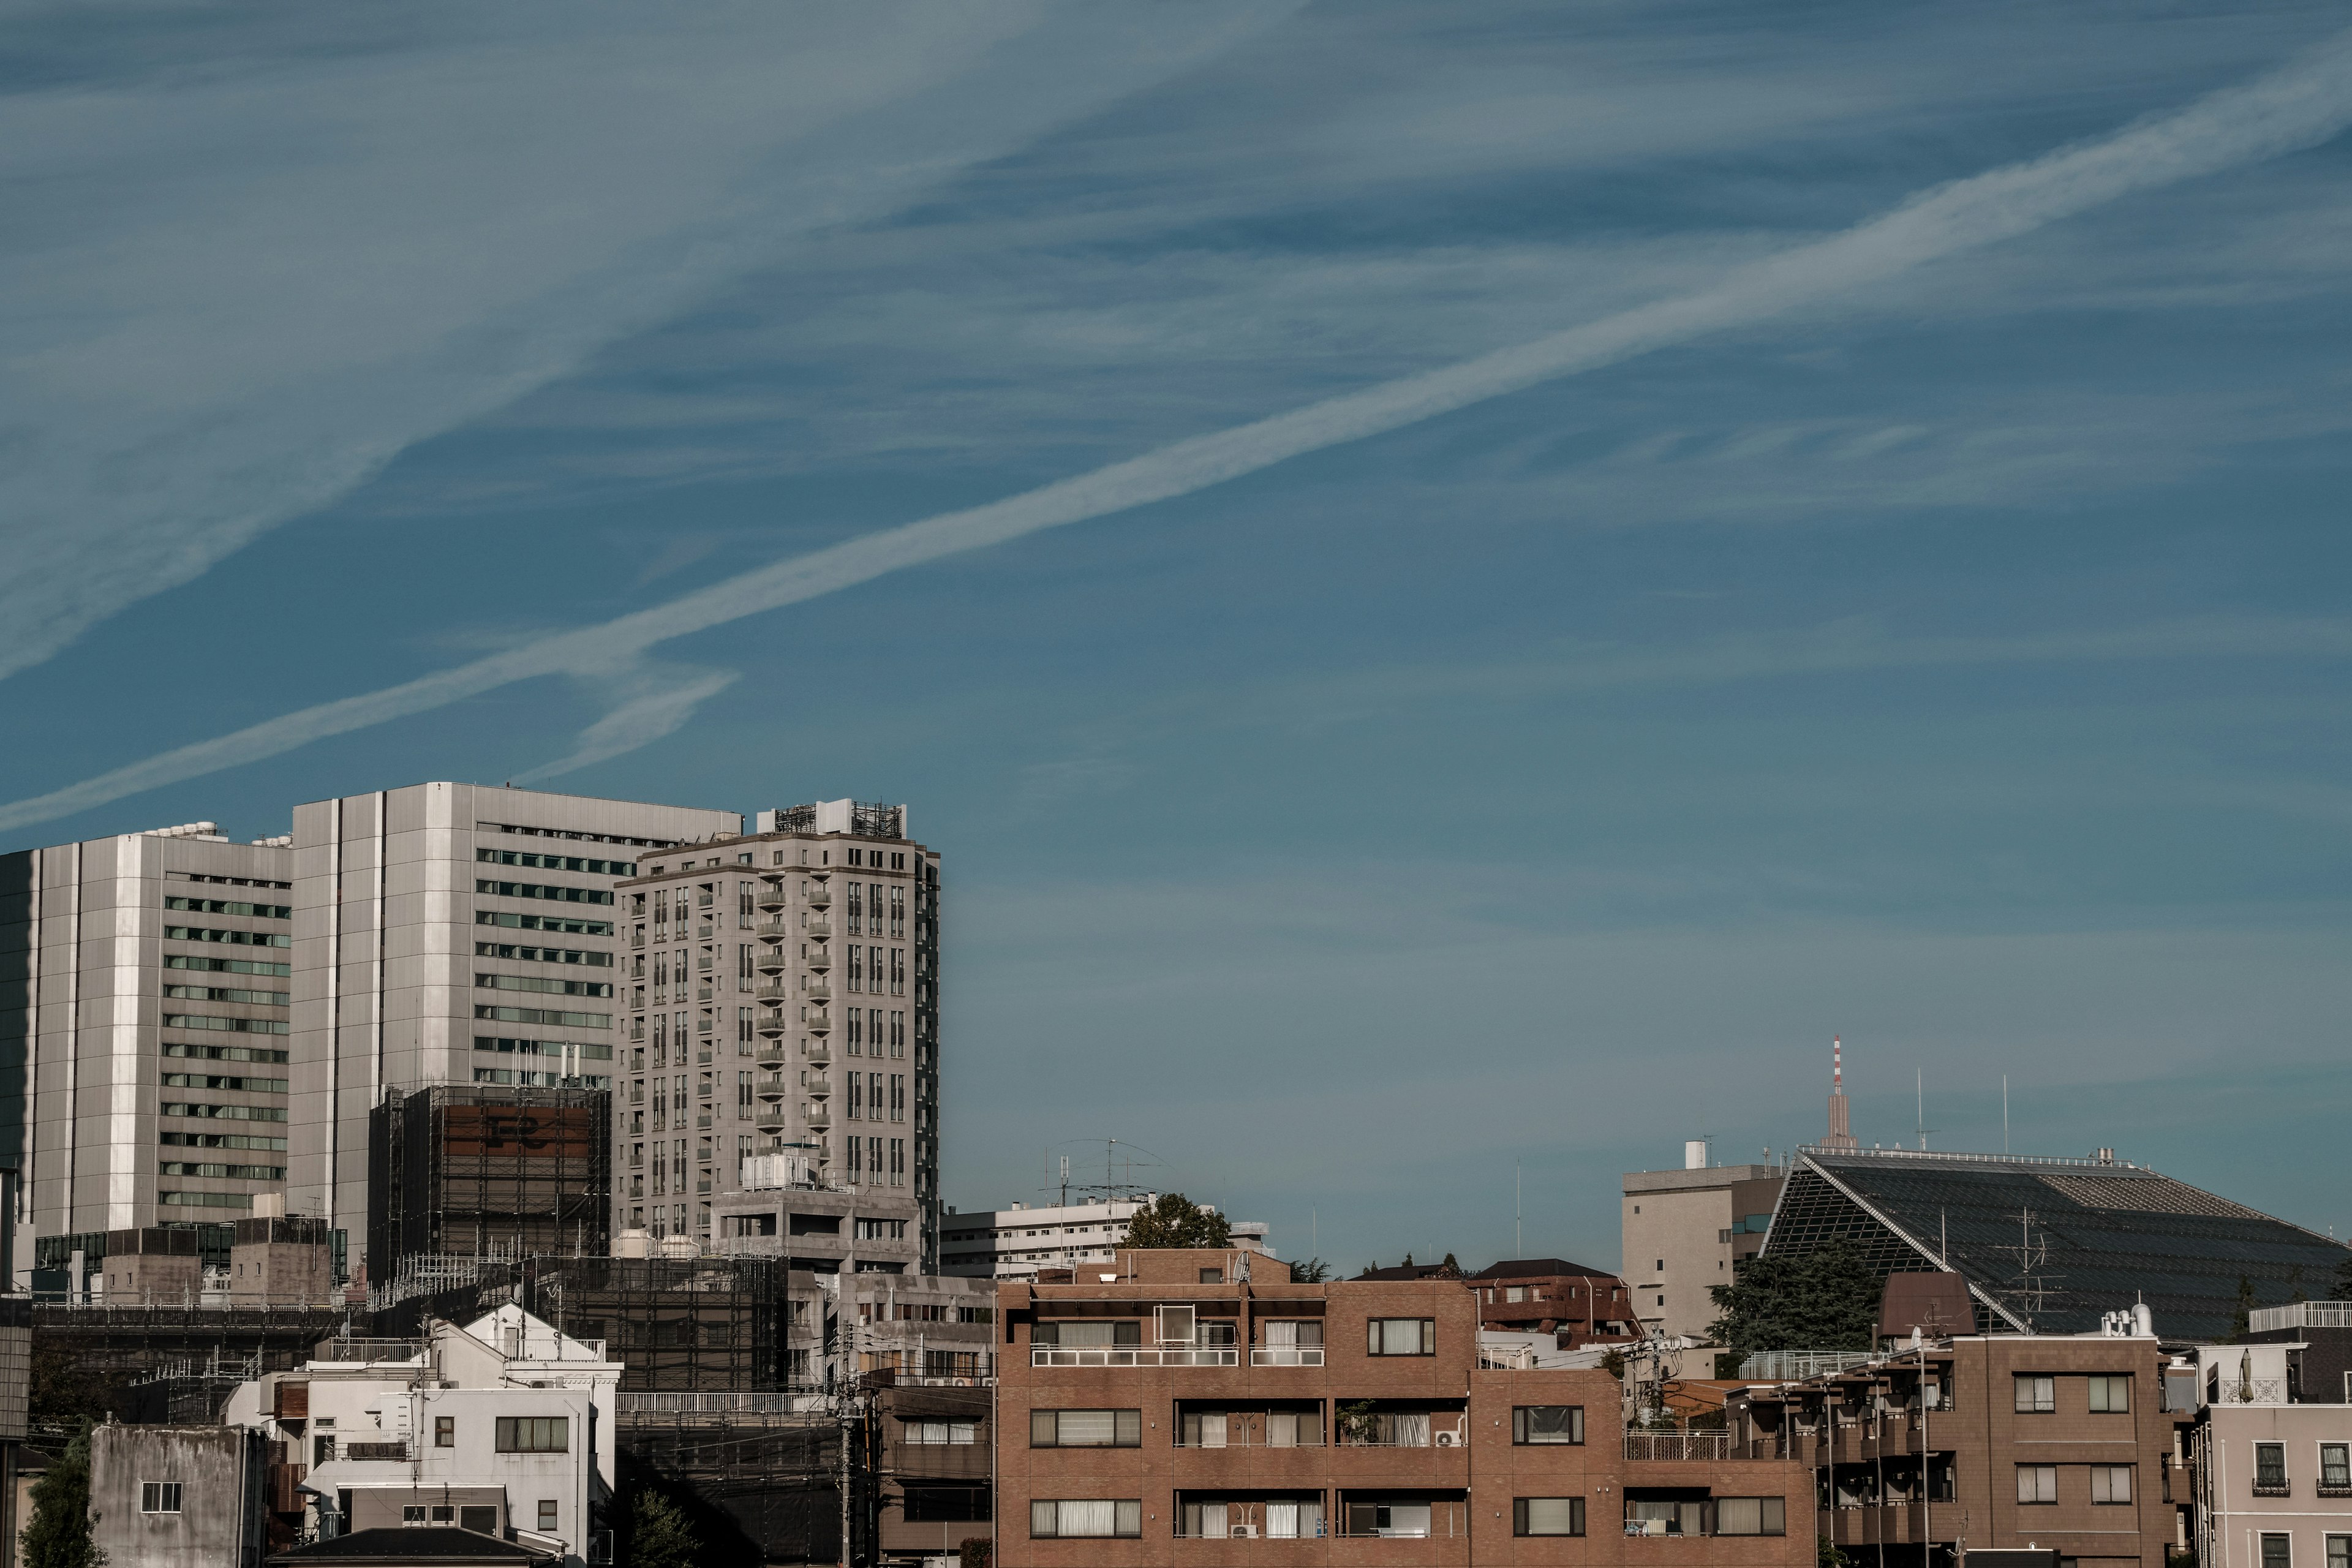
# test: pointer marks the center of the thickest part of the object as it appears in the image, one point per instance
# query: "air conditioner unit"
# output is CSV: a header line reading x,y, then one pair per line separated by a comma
x,y
1449,1439
1244,1532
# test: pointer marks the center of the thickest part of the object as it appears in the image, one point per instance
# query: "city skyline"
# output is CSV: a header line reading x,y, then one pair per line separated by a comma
x,y
1522,776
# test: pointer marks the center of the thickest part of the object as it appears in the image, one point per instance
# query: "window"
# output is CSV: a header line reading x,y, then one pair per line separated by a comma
x,y
2339,1552
2270,1467
1072,1519
1547,1424
1548,1516
445,1431
1751,1516
2335,1466
547,1514
2276,1553
1085,1429
534,1433
2110,1483
2037,1483
159,1497
2036,1396
2111,1394
963,1433
1401,1336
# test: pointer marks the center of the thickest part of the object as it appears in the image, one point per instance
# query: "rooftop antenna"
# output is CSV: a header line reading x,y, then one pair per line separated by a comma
x,y
1841,1133
2004,1113
1519,1190
1920,1123
1065,1181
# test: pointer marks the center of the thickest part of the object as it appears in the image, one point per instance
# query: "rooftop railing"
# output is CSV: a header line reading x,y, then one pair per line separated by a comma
x,y
2300,1315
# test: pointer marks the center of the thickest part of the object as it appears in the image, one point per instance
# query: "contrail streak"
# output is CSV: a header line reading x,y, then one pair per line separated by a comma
x,y
2303,104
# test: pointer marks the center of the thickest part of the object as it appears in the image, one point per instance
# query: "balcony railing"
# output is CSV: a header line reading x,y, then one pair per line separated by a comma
x,y
398,1451
1287,1355
1678,1444
2248,1391
1136,1355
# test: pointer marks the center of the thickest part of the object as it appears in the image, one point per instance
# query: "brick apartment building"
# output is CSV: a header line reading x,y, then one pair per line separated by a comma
x,y
2061,1441
1167,1410
1554,1296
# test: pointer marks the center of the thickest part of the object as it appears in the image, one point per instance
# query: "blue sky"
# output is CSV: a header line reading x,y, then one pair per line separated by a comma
x,y
1925,620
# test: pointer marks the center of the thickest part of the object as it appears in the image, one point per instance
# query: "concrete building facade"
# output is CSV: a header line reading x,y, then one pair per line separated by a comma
x,y
2272,1452
1687,1231
451,933
778,1090
178,1497
144,988
1015,1243
1161,1413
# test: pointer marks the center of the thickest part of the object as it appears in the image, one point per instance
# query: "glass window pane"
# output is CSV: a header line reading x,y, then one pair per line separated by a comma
x,y
1740,1516
1554,1516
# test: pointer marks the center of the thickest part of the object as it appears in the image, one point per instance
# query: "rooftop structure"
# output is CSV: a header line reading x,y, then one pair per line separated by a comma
x,y
2047,1244
1015,1243
1552,1296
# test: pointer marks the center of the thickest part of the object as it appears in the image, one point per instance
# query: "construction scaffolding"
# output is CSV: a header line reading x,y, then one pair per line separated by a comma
x,y
488,1170
771,1467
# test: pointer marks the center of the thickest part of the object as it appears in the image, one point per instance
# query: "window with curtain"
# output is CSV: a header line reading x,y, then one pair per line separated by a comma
x,y
1293,1429
2035,1395
2339,1552
2277,1552
1548,1516
2270,1464
1751,1516
1401,1336
1077,1518
1301,1519
2037,1483
2110,1483
1085,1429
2110,1395
2335,1465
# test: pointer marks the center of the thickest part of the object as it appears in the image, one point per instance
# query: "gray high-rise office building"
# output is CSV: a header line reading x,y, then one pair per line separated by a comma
x,y
450,933
143,1031
780,1090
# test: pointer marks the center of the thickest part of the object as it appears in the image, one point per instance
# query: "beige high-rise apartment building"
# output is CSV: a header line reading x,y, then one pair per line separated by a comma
x,y
779,1090
143,1032
452,933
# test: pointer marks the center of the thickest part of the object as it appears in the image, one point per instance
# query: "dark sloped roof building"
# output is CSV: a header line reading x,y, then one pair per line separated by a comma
x,y
2047,1244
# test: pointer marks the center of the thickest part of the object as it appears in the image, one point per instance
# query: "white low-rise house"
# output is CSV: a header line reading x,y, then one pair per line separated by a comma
x,y
504,1426
2273,1473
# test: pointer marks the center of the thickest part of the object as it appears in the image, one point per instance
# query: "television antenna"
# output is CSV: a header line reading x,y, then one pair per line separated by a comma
x,y
2032,1285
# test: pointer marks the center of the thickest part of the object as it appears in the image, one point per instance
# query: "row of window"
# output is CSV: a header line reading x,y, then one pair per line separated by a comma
x,y
205,1200
522,831
231,907
553,892
227,993
214,1080
226,966
545,987
228,1025
225,1053
2037,1395
226,881
1301,1518
1531,1424
227,1112
2278,1551
587,956
865,965
2039,1483
560,925
505,1046
223,1140
545,1018
2335,1466
541,1079
223,1173
557,862
232,938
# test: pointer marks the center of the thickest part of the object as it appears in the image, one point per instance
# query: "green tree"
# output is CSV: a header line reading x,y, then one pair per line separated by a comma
x,y
2240,1320
1826,1299
659,1536
1314,1271
1176,1221
59,1536
977,1552
1453,1269
1827,1555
